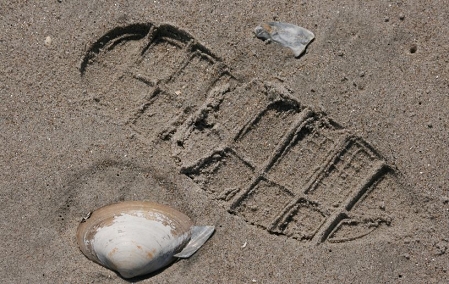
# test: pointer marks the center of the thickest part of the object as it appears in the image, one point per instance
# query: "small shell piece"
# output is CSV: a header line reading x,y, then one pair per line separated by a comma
x,y
294,37
136,238
200,234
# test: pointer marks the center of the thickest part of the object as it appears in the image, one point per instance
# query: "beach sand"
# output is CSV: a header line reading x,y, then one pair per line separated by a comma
x,y
327,168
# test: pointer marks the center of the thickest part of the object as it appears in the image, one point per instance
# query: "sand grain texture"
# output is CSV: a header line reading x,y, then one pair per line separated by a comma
x,y
330,168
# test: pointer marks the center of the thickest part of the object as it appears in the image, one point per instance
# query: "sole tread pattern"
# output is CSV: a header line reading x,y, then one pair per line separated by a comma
x,y
308,178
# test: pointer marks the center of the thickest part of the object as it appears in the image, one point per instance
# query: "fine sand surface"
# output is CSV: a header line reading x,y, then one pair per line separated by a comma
x,y
328,168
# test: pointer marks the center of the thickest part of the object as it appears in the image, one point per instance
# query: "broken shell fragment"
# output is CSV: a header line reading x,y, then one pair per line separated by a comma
x,y
294,37
136,238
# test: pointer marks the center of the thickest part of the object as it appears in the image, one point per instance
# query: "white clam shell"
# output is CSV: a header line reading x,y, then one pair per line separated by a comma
x,y
136,238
